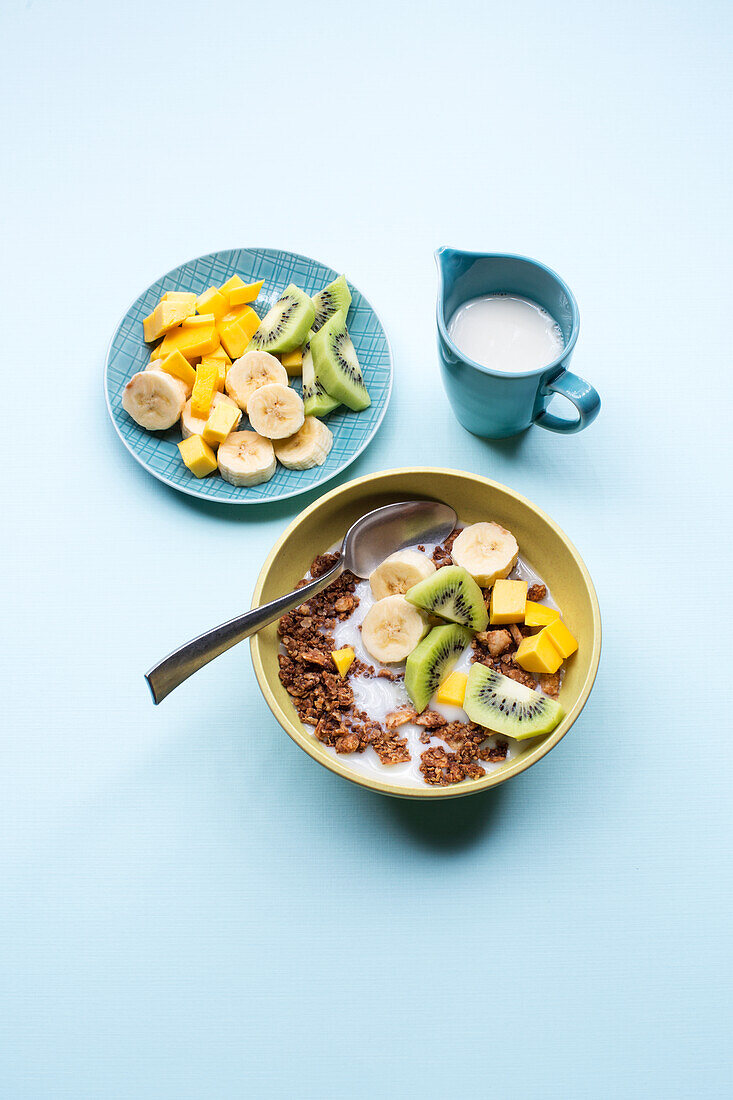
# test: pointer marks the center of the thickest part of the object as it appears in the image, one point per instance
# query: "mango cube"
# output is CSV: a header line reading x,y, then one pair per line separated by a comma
x,y
343,659
157,353
196,336
165,316
538,654
561,638
197,455
178,296
220,367
213,301
230,284
508,599
539,614
240,295
221,355
221,422
452,691
204,388
179,367
237,328
292,361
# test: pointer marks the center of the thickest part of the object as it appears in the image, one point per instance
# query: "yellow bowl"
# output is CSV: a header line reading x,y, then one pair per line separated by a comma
x,y
541,543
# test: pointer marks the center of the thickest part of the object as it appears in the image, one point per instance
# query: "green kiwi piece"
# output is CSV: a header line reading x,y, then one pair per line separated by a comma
x,y
503,705
315,399
431,659
334,297
336,365
285,326
451,593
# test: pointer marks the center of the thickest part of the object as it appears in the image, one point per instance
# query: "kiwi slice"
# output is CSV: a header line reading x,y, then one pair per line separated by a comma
x,y
317,402
503,705
431,659
333,298
285,326
451,593
336,365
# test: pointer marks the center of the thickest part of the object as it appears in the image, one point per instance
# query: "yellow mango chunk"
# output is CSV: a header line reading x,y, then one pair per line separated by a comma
x,y
452,691
343,659
164,317
157,353
561,638
237,328
220,367
221,355
230,284
508,599
178,296
292,361
539,614
213,301
179,367
204,388
240,295
222,419
196,336
538,654
197,455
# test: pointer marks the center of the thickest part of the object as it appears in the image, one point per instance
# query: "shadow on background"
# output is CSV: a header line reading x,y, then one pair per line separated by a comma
x,y
448,825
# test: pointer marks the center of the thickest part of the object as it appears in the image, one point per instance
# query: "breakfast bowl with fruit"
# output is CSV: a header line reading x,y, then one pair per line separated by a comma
x,y
248,376
455,665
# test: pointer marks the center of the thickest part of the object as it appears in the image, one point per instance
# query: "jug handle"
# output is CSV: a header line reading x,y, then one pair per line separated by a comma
x,y
581,394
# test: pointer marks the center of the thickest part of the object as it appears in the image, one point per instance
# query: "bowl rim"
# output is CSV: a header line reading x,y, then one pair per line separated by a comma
x,y
191,490
467,787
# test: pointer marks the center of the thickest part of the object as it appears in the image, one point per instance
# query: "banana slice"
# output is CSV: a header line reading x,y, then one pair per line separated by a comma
x,y
309,446
399,572
487,551
245,458
194,425
154,399
275,411
252,371
391,629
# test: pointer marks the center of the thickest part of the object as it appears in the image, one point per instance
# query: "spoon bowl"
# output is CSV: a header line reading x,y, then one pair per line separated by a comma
x,y
367,543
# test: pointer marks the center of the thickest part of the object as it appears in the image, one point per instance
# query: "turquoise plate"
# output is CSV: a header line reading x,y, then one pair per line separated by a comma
x,y
352,431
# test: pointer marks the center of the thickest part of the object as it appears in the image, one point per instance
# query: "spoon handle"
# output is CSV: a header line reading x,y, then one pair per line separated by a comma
x,y
182,663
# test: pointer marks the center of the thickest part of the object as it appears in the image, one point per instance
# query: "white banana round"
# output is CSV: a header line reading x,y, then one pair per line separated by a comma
x,y
154,399
250,372
487,551
309,446
245,458
399,572
275,411
392,628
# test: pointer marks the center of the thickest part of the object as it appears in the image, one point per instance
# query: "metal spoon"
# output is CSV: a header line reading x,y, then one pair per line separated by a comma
x,y
365,545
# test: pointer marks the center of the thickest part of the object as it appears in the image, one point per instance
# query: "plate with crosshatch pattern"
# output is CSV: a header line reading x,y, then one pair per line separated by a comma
x,y
352,431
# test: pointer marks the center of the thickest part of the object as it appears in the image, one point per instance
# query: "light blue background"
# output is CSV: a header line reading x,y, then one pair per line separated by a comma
x,y
191,908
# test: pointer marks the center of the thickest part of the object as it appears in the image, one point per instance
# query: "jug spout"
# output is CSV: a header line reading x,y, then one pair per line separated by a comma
x,y
451,264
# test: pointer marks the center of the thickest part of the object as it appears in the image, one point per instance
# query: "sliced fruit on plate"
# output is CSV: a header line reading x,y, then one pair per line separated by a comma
x,y
251,372
391,629
432,659
154,399
196,425
317,402
285,326
337,366
245,458
293,362
400,571
333,298
452,593
487,551
505,706
275,411
197,455
309,447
